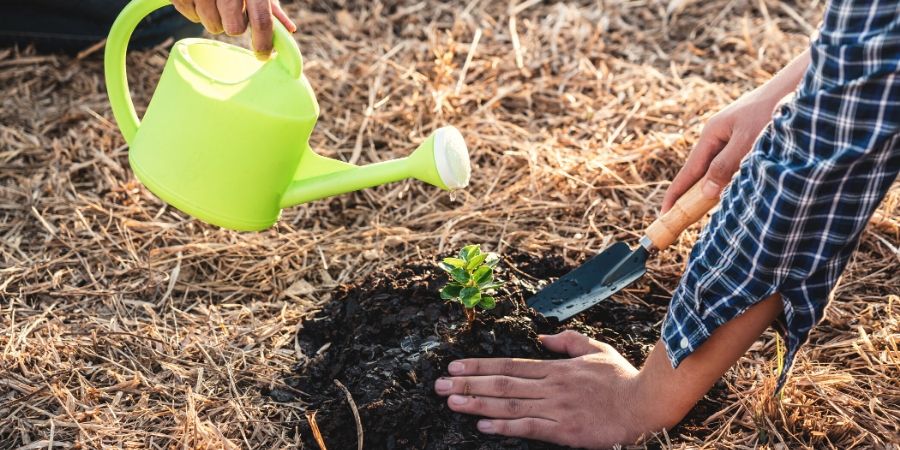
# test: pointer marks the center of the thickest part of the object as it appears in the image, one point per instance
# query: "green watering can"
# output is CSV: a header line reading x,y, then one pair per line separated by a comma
x,y
226,136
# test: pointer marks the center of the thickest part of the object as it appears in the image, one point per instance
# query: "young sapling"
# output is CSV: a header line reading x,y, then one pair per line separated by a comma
x,y
471,280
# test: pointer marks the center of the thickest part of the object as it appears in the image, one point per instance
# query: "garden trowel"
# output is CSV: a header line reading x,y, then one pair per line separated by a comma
x,y
619,265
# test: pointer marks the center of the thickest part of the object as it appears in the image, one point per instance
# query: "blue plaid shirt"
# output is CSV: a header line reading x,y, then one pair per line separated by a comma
x,y
793,216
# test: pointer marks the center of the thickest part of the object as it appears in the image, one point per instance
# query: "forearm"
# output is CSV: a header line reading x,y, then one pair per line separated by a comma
x,y
671,393
786,80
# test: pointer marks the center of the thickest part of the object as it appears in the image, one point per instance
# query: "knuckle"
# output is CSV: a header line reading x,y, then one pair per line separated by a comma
x,y
559,385
570,335
719,169
507,366
262,20
502,385
233,28
565,404
693,168
717,120
513,406
572,429
530,428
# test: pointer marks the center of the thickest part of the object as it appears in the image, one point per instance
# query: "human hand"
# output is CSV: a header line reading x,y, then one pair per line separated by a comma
x,y
727,137
233,16
590,400
730,134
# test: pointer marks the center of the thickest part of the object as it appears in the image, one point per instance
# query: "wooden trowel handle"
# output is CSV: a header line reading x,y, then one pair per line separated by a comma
x,y
686,211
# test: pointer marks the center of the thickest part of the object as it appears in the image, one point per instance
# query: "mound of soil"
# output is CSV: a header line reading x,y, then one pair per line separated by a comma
x,y
389,337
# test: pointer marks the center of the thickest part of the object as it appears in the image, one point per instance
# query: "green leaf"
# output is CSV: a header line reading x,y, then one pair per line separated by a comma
x,y
460,275
489,286
446,267
450,291
487,302
470,303
483,275
475,261
469,251
454,262
492,259
470,296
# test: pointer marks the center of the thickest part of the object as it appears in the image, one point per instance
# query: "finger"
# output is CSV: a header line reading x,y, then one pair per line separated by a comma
x,y
724,165
209,15
528,428
186,8
282,16
514,367
695,166
497,408
490,386
573,343
259,13
234,19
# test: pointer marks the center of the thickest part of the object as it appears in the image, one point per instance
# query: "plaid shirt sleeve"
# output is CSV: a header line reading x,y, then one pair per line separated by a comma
x,y
791,219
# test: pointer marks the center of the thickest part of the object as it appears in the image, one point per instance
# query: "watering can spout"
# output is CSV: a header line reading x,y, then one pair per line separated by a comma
x,y
442,160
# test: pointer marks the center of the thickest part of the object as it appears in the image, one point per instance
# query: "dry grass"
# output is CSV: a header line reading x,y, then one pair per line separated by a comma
x,y
125,324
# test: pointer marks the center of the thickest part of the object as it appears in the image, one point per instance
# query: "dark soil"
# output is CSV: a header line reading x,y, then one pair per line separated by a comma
x,y
389,337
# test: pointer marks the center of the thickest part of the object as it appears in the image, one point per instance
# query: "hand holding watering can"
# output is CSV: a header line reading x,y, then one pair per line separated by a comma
x,y
225,137
235,16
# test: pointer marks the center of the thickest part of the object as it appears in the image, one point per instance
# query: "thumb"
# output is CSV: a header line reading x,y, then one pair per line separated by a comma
x,y
722,168
709,145
572,343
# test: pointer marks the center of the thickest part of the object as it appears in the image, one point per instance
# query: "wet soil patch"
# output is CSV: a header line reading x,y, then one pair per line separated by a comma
x,y
388,337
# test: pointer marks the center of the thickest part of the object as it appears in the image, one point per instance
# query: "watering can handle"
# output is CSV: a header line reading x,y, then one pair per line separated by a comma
x,y
117,47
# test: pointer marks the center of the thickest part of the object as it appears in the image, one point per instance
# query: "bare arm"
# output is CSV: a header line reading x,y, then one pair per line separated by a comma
x,y
680,389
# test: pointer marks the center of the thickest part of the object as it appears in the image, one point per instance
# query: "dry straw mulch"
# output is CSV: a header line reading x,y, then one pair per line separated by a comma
x,y
124,323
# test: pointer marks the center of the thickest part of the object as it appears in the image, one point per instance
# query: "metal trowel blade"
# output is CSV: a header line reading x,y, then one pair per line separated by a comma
x,y
592,282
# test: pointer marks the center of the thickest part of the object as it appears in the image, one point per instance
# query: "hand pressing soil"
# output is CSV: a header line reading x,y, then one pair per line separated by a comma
x,y
390,336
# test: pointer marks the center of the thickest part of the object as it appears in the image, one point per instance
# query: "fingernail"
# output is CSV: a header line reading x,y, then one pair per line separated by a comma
x,y
443,384
485,426
456,368
711,188
262,56
459,399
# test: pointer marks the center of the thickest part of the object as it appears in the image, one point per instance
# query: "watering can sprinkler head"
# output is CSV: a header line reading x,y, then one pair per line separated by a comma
x,y
445,154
